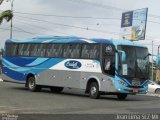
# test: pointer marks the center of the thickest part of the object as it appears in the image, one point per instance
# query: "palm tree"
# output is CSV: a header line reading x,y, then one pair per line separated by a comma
x,y
1,1
7,14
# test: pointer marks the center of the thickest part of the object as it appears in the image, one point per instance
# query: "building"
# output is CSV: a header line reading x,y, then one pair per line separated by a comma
x,y
158,76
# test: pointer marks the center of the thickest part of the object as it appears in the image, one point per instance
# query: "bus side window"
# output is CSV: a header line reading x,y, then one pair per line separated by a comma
x,y
27,50
58,50
20,49
48,50
24,49
94,51
109,65
54,50
85,51
66,51
75,51
11,49
41,50
90,51
34,50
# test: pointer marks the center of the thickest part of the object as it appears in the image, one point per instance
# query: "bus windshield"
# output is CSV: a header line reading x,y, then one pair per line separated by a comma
x,y
137,61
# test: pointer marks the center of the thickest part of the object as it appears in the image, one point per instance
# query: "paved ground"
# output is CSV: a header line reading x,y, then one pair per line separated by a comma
x,y
14,98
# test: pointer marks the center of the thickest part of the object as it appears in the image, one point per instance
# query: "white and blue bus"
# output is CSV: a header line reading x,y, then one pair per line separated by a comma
x,y
98,66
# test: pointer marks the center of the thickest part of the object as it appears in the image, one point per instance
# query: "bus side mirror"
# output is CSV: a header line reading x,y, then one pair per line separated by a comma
x,y
122,55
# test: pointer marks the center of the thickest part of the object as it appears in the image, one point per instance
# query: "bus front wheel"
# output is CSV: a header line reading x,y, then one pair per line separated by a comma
x,y
121,96
31,85
94,90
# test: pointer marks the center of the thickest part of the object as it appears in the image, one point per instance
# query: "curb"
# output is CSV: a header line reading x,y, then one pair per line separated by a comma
x,y
153,95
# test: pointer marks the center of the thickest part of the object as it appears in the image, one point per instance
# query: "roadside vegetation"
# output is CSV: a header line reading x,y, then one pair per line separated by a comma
x,y
5,15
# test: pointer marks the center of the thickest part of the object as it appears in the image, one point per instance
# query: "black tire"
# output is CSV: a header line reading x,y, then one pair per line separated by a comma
x,y
121,96
94,90
157,91
56,89
31,85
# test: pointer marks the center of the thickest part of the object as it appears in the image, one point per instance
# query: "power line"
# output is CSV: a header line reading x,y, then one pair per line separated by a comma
x,y
76,27
96,24
25,31
20,30
65,16
110,7
154,16
31,25
99,5
96,5
93,4
65,25
81,17
4,29
32,33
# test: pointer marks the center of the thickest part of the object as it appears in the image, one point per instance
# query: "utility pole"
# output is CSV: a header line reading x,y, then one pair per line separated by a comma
x,y
11,26
152,60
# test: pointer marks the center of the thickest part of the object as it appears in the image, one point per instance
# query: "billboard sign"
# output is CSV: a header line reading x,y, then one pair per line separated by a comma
x,y
133,24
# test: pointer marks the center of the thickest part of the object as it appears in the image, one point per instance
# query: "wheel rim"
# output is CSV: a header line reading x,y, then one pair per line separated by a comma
x,y
93,90
158,91
31,84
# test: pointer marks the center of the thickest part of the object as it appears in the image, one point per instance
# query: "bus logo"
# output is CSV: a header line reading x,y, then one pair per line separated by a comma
x,y
72,64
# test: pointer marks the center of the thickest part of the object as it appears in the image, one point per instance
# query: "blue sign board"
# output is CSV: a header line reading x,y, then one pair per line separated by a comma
x,y
127,19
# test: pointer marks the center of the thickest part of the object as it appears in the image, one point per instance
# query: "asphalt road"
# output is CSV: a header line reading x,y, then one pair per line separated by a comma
x,y
15,98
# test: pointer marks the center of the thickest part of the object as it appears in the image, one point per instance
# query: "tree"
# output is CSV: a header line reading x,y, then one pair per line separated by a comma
x,y
5,15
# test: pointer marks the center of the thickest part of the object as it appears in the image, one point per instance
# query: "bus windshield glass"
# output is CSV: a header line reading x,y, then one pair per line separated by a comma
x,y
137,62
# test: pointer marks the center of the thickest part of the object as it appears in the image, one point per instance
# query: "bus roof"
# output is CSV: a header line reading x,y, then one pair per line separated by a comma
x,y
70,39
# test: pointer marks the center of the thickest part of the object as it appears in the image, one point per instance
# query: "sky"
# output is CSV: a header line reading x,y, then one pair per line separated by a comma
x,y
49,18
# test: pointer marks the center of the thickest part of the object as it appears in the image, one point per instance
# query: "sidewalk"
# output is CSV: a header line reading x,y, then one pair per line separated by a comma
x,y
153,94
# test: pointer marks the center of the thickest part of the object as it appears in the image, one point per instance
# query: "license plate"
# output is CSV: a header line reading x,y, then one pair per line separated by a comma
x,y
135,90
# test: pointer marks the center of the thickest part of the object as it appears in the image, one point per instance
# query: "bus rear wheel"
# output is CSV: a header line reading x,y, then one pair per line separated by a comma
x,y
94,90
31,85
121,96
56,89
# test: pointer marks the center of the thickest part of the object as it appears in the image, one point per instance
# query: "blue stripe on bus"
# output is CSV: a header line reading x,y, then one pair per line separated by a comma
x,y
15,72
37,61
22,61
